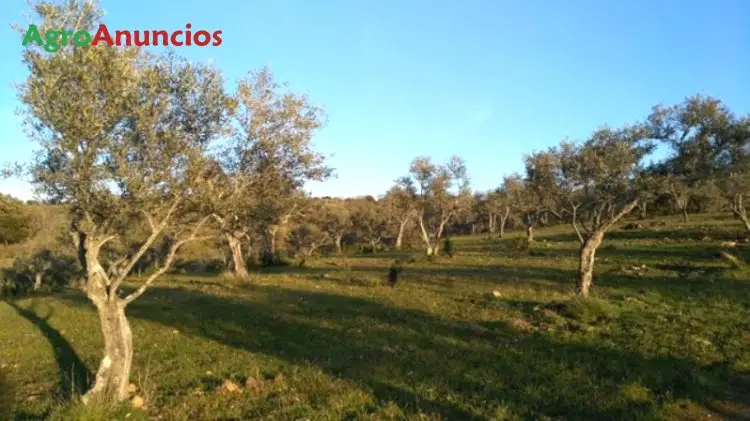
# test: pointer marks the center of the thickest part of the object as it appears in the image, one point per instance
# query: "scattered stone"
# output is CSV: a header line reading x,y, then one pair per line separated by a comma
x,y
497,293
706,238
176,332
253,385
729,244
230,387
138,402
132,388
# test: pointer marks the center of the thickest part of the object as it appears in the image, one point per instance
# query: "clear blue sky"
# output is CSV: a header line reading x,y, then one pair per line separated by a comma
x,y
488,80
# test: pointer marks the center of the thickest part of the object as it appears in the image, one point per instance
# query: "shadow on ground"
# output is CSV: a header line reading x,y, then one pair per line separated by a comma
x,y
422,362
74,375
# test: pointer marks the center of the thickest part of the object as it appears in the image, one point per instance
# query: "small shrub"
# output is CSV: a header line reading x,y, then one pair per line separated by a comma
x,y
588,310
448,247
393,273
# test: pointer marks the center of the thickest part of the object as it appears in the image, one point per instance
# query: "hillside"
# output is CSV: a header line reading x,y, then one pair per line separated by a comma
x,y
490,334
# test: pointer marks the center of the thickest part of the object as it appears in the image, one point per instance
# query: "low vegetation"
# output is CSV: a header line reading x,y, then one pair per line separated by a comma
x,y
491,333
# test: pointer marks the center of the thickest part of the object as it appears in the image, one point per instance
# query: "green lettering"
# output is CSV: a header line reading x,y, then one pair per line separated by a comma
x,y
32,34
82,38
52,44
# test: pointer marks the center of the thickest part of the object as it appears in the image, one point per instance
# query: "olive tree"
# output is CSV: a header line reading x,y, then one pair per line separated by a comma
x,y
695,132
524,202
734,180
441,191
122,140
599,177
497,205
399,203
268,158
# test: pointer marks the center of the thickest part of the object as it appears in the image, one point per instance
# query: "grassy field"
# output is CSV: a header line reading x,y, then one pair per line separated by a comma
x,y
491,334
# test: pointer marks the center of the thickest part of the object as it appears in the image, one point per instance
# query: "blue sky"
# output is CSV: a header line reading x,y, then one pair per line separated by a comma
x,y
487,80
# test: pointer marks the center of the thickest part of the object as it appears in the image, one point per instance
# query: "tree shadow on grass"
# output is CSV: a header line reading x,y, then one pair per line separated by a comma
x,y
74,375
451,368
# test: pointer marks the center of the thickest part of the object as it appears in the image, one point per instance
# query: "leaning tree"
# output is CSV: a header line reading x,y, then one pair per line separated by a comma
x,y
122,139
599,177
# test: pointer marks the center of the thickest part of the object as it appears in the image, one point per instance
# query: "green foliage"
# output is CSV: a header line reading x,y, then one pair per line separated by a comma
x,y
16,221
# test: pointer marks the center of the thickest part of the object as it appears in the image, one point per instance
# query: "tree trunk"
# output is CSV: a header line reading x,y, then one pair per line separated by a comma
x,y
684,214
238,259
113,377
38,281
741,214
337,242
586,262
642,208
491,223
400,237
503,220
530,233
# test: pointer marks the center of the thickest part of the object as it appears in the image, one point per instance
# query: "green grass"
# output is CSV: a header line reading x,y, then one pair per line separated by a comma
x,y
666,336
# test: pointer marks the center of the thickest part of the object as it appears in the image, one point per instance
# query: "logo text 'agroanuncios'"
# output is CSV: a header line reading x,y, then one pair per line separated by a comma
x,y
53,40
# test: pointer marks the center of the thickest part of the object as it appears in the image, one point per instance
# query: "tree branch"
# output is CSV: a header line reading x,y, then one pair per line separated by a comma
x,y
167,263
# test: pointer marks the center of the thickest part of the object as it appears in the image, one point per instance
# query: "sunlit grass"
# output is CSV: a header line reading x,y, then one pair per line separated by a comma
x,y
490,334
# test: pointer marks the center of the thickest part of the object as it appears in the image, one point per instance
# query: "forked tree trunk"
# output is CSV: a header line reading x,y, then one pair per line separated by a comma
x,y
491,223
113,376
685,214
530,233
642,210
586,262
238,259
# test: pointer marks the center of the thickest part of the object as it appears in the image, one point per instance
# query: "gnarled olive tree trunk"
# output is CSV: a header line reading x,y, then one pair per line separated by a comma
x,y
238,259
586,262
113,376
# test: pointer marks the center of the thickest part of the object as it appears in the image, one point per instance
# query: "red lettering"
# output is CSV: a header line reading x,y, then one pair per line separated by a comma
x,y
102,34
164,36
119,35
173,38
217,38
137,38
202,34
188,36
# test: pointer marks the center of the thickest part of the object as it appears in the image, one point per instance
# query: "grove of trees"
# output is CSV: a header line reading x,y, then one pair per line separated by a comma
x,y
149,153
